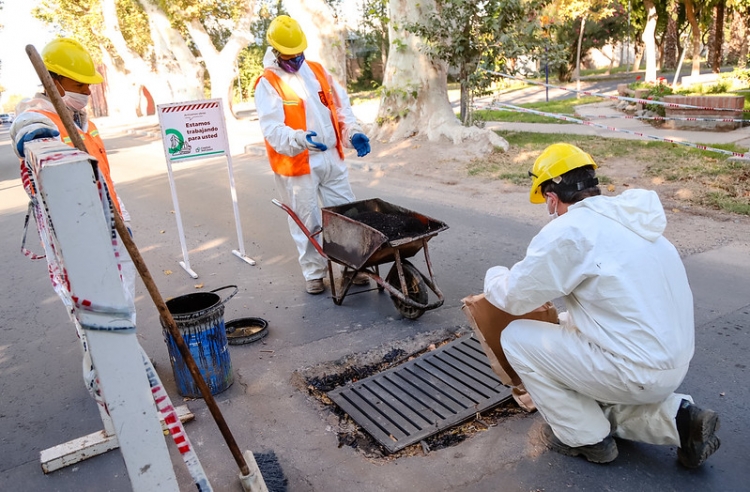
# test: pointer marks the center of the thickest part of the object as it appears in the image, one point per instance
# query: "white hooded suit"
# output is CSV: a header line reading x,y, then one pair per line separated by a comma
x,y
626,341
328,181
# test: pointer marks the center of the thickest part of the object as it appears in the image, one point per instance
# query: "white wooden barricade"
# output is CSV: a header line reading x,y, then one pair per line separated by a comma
x,y
193,130
85,274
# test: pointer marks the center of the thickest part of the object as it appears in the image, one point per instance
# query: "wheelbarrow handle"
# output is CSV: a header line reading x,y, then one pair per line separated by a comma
x,y
302,226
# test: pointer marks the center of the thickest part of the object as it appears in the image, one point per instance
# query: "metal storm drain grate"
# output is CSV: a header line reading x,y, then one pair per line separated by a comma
x,y
403,405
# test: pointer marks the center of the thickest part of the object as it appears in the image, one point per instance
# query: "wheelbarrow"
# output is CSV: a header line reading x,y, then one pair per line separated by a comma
x,y
365,234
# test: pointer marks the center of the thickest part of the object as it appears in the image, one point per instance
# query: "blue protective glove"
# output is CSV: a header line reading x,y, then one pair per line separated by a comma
x,y
33,135
361,143
316,145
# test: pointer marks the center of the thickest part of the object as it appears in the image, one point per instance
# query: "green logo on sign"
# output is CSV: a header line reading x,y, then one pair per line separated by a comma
x,y
176,141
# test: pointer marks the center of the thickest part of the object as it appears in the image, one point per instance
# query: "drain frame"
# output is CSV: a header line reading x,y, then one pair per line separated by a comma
x,y
415,400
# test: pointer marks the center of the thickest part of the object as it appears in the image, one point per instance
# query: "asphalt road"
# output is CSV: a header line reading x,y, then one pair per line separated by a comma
x,y
44,402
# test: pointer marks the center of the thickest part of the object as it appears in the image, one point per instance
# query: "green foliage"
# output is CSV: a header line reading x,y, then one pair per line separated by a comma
x,y
596,34
489,34
563,107
717,181
81,19
216,17
370,42
656,92
250,62
134,26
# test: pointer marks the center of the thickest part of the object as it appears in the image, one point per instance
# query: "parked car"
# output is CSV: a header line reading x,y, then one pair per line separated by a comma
x,y
5,118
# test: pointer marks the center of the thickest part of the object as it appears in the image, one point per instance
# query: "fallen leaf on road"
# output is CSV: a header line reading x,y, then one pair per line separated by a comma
x,y
167,272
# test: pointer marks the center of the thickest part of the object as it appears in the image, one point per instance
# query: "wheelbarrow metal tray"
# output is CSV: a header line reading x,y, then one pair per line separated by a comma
x,y
358,245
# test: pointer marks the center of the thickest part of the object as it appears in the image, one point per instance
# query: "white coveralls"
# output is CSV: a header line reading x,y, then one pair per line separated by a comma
x,y
328,180
625,343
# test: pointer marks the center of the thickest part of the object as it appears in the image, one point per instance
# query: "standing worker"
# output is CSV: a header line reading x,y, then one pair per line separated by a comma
x,y
610,368
72,70
306,120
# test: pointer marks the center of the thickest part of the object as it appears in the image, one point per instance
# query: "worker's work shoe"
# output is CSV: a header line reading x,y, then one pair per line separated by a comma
x,y
697,429
601,452
315,286
361,279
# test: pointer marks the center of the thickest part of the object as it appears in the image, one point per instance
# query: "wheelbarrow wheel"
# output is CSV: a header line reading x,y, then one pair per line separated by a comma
x,y
417,290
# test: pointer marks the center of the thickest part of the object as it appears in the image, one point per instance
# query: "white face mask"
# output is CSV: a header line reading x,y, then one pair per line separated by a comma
x,y
552,215
76,101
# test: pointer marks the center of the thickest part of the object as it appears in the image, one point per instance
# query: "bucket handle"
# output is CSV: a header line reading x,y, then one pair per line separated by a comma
x,y
224,301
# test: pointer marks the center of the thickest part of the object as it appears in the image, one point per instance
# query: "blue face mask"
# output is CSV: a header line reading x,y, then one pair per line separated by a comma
x,y
291,65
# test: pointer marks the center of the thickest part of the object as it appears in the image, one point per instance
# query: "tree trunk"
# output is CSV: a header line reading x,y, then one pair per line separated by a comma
x,y
465,101
669,58
577,70
649,41
130,73
710,45
737,40
718,28
696,35
222,66
174,60
638,56
325,38
414,100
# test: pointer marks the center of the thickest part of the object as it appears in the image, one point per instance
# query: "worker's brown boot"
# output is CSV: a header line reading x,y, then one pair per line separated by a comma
x,y
361,279
697,428
601,452
314,286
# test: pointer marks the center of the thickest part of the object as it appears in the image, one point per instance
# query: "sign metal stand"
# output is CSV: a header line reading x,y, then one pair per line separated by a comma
x,y
192,130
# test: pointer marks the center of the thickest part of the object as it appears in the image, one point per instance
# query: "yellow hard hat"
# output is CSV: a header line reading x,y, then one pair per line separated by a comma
x,y
286,36
554,161
68,57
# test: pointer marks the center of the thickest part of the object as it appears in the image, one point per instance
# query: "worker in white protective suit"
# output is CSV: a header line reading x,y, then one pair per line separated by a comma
x,y
72,70
307,121
610,368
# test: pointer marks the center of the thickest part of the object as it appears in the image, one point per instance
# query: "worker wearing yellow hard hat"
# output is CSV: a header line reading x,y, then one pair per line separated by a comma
x,y
622,347
72,70
286,36
307,123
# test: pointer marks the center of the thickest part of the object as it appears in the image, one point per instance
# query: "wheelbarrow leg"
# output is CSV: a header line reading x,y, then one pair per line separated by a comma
x,y
336,299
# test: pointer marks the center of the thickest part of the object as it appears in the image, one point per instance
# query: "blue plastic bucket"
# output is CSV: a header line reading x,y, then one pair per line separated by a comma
x,y
200,320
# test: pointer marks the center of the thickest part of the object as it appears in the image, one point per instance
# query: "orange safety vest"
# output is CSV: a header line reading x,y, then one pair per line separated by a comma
x,y
94,147
294,117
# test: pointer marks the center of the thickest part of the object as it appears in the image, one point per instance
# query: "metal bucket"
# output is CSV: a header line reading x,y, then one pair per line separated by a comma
x,y
200,321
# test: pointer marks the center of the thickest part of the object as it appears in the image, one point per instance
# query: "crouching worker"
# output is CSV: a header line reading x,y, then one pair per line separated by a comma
x,y
610,368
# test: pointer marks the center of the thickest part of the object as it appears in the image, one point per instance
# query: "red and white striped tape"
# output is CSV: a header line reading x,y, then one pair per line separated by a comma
x,y
662,118
630,117
614,98
737,155
175,427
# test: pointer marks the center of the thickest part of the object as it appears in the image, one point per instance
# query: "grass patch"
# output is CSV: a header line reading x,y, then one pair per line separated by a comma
x,y
565,107
715,181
